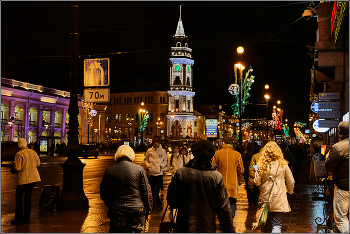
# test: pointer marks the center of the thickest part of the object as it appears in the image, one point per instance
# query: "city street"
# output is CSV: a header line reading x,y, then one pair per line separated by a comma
x,y
94,220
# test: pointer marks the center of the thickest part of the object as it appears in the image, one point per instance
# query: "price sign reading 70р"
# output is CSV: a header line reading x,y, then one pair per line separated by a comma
x,y
96,95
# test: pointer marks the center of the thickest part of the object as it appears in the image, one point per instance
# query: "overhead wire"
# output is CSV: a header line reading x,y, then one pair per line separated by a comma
x,y
172,21
286,27
141,51
16,35
47,41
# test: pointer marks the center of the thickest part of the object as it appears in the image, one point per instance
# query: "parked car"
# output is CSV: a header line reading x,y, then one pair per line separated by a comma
x,y
90,150
8,150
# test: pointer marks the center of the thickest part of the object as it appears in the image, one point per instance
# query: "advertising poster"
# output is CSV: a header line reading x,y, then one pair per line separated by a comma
x,y
43,145
211,128
96,72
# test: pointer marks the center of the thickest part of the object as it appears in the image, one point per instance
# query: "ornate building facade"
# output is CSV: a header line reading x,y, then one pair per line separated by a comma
x,y
40,114
181,117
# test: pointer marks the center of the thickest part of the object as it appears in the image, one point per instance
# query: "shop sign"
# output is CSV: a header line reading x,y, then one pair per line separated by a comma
x,y
327,96
317,128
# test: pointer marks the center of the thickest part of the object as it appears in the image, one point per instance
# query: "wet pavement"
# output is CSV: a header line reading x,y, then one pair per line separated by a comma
x,y
94,219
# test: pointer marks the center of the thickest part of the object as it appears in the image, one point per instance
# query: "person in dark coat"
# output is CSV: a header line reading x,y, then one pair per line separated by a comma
x,y
337,164
198,192
289,156
126,192
247,157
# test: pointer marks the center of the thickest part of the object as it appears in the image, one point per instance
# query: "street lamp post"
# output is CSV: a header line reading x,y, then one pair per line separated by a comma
x,y
267,97
240,51
143,119
159,125
72,195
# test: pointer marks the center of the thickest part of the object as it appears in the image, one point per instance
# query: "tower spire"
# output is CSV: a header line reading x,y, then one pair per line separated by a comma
x,y
180,31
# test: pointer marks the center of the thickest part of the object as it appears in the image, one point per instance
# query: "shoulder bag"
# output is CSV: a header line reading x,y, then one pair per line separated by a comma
x,y
261,213
168,226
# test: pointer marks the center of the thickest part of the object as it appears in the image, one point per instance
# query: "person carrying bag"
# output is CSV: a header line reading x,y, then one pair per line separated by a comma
x,y
262,212
272,167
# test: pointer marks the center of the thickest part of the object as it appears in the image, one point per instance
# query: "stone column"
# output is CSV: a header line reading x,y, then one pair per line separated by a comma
x,y
26,120
40,119
52,116
11,114
63,124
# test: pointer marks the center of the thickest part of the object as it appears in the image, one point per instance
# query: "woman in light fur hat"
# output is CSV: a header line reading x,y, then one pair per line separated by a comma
x,y
26,163
126,192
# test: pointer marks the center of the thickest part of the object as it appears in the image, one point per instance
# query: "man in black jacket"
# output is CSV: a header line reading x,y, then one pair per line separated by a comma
x,y
289,156
337,164
198,191
126,192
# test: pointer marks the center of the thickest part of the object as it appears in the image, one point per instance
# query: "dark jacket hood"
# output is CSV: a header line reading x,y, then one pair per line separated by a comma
x,y
200,164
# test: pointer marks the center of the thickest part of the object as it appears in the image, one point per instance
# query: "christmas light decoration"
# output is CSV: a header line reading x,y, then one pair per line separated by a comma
x,y
241,89
143,120
286,130
183,93
181,61
233,89
300,136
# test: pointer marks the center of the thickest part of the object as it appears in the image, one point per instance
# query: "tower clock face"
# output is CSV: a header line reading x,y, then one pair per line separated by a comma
x,y
177,67
188,67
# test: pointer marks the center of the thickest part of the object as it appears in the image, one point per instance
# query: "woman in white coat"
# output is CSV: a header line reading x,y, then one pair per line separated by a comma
x,y
26,163
177,160
270,160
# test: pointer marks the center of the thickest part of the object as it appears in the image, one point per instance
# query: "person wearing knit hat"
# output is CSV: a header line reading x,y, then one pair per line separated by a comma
x,y
337,164
26,163
126,192
198,192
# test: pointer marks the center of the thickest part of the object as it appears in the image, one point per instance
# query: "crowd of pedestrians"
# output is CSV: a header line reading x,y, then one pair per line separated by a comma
x,y
204,183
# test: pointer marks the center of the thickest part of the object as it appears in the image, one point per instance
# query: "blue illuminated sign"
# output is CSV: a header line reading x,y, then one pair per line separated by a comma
x,y
314,106
211,128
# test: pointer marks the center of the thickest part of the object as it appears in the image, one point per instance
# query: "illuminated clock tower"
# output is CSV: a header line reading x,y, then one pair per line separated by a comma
x,y
180,113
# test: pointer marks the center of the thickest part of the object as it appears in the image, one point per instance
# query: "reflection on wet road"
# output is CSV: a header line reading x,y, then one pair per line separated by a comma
x,y
94,219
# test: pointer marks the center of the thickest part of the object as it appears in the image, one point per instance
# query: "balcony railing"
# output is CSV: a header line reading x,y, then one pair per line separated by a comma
x,y
18,122
32,123
57,125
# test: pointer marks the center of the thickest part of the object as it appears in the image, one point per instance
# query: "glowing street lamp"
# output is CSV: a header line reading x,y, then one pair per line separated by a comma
x,y
240,50
267,97
267,86
278,102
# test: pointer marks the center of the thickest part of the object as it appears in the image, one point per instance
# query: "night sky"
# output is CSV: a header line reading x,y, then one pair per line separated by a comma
x,y
35,47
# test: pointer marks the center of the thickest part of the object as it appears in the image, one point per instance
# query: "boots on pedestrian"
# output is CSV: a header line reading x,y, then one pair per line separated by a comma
x,y
17,222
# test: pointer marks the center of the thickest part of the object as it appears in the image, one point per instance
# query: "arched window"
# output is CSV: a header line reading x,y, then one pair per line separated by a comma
x,y
150,117
186,45
4,112
177,80
58,119
178,44
18,115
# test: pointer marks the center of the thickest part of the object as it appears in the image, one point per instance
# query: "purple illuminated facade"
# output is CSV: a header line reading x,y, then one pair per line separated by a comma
x,y
35,113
